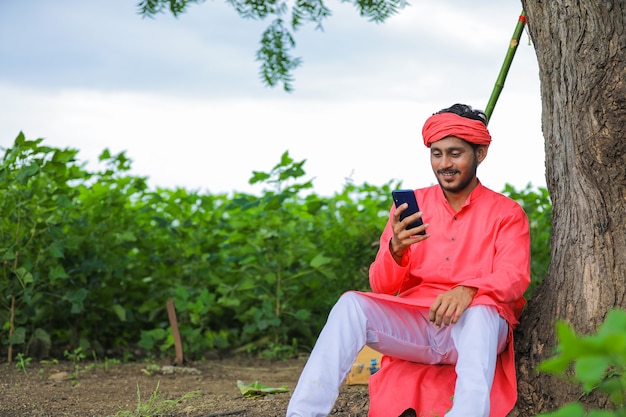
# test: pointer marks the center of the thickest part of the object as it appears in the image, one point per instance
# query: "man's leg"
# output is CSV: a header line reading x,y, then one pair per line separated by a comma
x,y
354,321
479,335
337,345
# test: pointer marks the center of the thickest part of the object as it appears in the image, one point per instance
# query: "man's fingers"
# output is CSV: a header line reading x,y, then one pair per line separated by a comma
x,y
457,314
447,315
444,313
439,314
399,210
432,314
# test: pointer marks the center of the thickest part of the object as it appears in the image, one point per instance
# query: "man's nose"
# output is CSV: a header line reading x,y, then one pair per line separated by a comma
x,y
446,162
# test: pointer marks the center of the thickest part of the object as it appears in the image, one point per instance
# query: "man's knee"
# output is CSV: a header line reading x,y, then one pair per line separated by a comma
x,y
487,315
347,306
485,320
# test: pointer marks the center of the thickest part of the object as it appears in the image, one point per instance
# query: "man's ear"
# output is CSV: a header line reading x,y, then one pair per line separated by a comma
x,y
481,153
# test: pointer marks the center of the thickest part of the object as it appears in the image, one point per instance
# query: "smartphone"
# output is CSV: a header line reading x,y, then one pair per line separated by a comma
x,y
408,196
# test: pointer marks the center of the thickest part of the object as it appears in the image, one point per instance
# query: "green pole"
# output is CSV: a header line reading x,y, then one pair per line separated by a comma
x,y
497,89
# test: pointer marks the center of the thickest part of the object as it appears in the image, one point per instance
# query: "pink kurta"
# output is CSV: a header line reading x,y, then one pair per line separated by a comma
x,y
486,245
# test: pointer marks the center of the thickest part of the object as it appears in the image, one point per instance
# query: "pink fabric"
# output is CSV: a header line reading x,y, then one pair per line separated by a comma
x,y
400,384
442,125
485,245
429,389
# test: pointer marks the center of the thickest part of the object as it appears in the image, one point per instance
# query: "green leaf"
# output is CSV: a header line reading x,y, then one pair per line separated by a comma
x,y
56,250
614,343
64,156
248,283
591,370
568,339
18,336
24,276
27,172
43,337
614,323
569,410
270,278
603,413
320,260
302,315
76,298
106,154
127,236
258,390
149,338
615,388
57,272
258,177
8,255
120,312
285,160
182,296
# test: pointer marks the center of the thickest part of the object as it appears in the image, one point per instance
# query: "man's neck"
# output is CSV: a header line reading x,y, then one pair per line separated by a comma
x,y
456,199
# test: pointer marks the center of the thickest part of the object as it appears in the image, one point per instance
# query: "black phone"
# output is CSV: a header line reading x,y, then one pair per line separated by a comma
x,y
408,196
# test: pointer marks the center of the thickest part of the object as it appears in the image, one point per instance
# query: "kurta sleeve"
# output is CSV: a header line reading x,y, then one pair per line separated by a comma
x,y
386,276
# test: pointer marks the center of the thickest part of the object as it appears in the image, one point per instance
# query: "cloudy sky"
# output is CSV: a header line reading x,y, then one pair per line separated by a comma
x,y
182,96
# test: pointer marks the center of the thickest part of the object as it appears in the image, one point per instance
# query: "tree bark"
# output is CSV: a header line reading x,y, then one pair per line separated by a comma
x,y
581,51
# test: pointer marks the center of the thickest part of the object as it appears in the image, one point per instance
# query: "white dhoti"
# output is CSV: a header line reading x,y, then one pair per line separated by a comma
x,y
472,345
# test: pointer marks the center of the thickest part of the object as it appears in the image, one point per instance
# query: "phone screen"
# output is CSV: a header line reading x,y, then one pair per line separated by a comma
x,y
407,196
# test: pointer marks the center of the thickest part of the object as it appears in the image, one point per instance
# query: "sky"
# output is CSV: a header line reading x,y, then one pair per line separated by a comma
x,y
183,99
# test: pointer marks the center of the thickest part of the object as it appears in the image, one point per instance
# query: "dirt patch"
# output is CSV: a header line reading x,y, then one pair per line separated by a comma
x,y
207,389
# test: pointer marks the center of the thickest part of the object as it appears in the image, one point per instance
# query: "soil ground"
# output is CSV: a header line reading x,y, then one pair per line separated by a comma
x,y
206,389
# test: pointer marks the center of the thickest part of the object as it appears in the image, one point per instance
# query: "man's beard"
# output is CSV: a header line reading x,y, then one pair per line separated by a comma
x,y
465,181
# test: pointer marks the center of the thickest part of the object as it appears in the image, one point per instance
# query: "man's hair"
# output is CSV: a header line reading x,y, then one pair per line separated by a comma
x,y
464,110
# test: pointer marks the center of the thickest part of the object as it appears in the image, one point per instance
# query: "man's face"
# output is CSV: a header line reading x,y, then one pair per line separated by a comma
x,y
454,163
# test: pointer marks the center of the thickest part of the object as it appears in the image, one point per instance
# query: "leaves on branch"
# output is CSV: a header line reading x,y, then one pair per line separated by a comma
x,y
277,41
149,8
314,11
379,10
276,62
257,9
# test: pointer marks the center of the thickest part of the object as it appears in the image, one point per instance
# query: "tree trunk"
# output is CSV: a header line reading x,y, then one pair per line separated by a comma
x,y
581,50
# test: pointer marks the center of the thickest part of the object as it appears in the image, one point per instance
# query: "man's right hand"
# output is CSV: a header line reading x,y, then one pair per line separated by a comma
x,y
403,238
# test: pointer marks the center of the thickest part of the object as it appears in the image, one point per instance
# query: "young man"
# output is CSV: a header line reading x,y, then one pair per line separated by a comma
x,y
449,297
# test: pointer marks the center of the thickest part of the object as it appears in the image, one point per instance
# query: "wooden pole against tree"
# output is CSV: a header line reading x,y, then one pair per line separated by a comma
x,y
497,89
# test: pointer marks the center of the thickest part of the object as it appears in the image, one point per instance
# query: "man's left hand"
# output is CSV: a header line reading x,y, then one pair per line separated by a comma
x,y
448,307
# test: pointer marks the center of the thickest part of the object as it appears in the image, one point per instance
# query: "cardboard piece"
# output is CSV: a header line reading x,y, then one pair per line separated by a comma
x,y
367,362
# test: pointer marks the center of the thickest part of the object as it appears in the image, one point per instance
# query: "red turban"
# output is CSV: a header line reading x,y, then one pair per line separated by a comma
x,y
443,125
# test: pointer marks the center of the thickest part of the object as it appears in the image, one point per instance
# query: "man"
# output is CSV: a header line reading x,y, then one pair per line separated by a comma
x,y
449,297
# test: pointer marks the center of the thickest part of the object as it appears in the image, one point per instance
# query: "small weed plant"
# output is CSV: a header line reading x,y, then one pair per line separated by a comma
x,y
154,406
110,362
22,362
151,369
75,356
597,362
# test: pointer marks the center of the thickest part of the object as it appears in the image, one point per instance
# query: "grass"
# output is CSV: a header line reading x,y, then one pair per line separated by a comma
x,y
154,406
